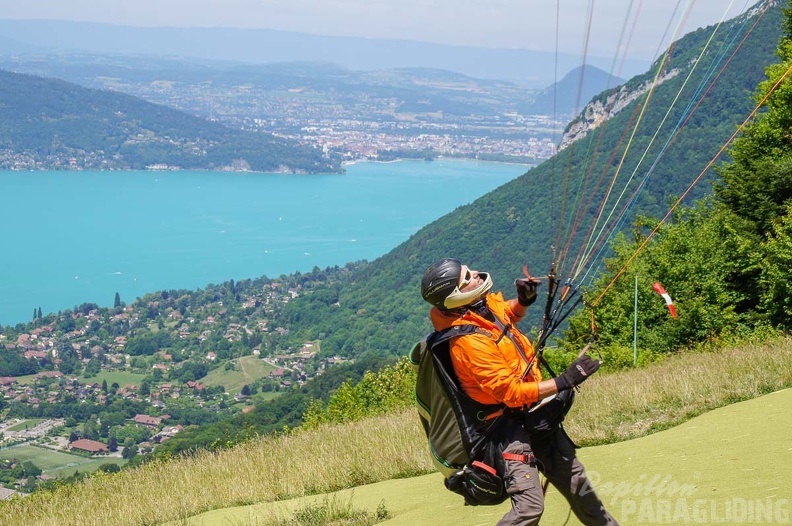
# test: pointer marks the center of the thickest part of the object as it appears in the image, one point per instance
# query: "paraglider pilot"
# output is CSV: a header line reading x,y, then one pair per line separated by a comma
x,y
503,369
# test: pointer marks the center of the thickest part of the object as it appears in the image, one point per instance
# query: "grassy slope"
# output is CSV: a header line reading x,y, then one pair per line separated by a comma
x,y
247,370
670,477
612,408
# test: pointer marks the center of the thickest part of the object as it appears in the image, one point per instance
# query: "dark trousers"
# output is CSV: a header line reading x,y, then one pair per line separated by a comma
x,y
556,459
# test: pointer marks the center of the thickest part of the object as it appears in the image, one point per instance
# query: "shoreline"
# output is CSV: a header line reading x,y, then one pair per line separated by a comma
x,y
344,165
439,158
342,171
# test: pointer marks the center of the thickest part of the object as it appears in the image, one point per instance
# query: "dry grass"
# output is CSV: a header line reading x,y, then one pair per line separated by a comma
x,y
633,403
267,469
610,408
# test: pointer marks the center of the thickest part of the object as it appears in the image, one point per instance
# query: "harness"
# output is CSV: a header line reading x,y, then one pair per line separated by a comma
x,y
506,332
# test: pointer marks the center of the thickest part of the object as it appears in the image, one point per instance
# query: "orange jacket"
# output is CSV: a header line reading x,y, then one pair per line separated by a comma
x,y
490,373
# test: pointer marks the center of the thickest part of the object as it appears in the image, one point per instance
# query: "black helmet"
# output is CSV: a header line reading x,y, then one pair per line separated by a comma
x,y
440,285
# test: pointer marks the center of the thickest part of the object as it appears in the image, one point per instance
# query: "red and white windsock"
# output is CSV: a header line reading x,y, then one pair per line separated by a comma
x,y
660,290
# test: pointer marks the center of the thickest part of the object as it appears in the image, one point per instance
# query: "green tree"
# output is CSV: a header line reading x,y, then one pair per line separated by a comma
x,y
130,452
109,467
377,392
70,361
117,301
91,429
145,387
130,434
30,485
776,277
31,470
757,184
703,259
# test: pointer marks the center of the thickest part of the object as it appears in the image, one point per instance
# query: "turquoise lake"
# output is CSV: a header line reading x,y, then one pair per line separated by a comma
x,y
75,237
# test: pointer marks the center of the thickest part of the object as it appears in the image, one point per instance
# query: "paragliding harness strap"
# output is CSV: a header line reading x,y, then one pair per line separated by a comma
x,y
506,331
547,416
529,459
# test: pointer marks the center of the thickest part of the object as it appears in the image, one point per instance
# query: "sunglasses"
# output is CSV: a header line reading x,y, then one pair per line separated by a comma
x,y
465,279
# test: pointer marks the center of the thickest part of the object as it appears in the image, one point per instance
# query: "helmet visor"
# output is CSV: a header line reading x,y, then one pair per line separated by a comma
x,y
459,299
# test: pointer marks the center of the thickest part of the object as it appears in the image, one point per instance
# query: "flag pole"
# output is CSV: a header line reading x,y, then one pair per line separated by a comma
x,y
635,325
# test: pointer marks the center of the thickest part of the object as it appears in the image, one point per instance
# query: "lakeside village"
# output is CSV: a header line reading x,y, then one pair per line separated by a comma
x,y
101,386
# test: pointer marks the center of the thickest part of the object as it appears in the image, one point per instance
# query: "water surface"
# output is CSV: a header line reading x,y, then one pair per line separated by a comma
x,y
74,237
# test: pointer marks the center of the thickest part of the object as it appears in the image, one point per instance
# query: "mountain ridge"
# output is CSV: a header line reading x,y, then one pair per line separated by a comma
x,y
573,86
51,123
534,68
339,110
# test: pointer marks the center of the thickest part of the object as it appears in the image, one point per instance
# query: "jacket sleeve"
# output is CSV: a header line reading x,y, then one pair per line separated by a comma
x,y
487,376
507,310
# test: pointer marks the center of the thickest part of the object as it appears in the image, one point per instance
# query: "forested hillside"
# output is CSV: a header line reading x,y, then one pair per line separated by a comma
x,y
727,258
528,220
48,123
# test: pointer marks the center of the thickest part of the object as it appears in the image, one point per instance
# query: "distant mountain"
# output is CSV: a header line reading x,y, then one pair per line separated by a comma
x,y
9,46
120,72
47,123
438,90
572,92
532,68
190,83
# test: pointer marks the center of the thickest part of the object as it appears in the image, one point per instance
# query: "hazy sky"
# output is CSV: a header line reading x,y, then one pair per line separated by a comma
x,y
527,24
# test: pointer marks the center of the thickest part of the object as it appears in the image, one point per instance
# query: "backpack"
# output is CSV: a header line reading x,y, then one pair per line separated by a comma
x,y
459,430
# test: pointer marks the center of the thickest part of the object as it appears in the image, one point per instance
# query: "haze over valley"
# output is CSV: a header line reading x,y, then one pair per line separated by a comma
x,y
347,114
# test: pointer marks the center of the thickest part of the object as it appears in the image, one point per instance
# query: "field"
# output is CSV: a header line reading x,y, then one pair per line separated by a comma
x,y
122,378
56,463
247,370
33,422
25,380
265,397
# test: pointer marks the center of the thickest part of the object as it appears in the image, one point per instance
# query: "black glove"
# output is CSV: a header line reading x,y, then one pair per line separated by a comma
x,y
526,290
577,373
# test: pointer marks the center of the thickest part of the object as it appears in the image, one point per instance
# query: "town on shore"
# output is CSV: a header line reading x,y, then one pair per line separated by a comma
x,y
95,388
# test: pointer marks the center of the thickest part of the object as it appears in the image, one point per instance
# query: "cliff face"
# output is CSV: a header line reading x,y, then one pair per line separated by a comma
x,y
596,112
